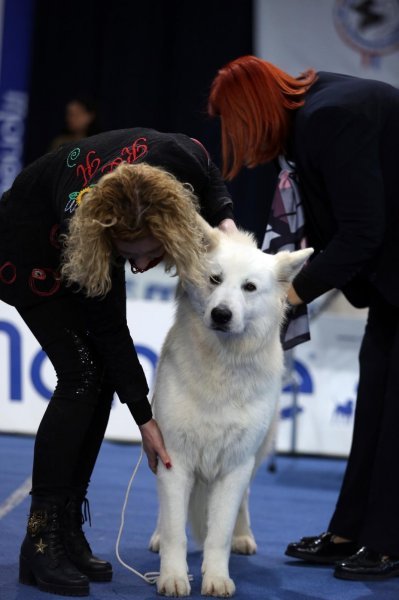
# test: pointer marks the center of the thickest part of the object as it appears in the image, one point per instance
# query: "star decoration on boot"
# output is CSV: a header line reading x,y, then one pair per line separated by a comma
x,y
40,547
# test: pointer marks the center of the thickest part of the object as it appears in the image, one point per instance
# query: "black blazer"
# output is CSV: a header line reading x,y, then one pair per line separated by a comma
x,y
345,143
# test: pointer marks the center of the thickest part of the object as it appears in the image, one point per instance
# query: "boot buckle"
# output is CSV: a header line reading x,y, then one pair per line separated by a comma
x,y
37,521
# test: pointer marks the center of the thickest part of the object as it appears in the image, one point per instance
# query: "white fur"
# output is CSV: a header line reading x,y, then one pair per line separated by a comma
x,y
215,399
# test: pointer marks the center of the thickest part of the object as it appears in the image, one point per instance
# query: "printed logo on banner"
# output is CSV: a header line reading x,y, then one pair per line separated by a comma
x,y
13,109
301,383
289,412
371,27
346,410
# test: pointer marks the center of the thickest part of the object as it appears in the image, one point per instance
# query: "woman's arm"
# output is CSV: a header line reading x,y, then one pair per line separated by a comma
x,y
342,150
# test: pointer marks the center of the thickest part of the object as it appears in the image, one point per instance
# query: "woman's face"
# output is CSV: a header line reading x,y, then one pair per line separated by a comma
x,y
78,118
141,252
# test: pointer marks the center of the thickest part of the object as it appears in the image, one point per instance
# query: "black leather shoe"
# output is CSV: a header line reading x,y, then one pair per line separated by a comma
x,y
320,549
367,565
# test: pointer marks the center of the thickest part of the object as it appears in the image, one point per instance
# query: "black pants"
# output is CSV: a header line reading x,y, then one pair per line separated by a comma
x,y
367,510
72,429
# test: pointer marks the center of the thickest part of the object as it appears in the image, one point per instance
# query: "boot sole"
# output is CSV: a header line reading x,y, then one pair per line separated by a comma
x,y
26,577
55,589
99,577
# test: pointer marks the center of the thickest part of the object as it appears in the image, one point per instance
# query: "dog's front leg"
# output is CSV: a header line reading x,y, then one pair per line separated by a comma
x,y
224,502
174,489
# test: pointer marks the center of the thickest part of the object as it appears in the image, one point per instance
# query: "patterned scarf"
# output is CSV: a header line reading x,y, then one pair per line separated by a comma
x,y
285,231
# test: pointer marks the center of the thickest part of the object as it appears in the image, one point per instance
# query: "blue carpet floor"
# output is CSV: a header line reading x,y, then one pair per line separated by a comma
x,y
297,500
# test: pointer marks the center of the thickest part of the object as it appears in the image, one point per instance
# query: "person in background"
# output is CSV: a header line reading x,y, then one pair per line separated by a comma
x,y
67,226
341,134
81,121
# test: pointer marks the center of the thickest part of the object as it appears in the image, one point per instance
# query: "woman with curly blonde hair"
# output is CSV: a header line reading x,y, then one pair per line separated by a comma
x,y
67,226
132,201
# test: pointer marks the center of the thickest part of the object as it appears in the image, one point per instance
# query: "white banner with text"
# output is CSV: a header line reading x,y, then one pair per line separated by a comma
x,y
317,402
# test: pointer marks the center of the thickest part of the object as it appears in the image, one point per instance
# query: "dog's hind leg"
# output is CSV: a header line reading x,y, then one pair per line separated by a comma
x,y
155,539
243,541
224,502
174,487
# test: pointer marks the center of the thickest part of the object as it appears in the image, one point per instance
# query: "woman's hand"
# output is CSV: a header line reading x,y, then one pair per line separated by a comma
x,y
227,225
153,445
292,297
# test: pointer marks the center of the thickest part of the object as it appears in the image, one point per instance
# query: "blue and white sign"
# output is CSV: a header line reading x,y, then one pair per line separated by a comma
x,y
318,404
323,379
28,378
16,17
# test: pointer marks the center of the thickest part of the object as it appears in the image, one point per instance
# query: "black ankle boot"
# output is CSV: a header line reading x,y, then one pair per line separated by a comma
x,y
76,545
43,561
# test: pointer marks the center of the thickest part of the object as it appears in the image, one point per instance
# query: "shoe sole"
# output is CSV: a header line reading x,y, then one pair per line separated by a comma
x,y
319,560
364,577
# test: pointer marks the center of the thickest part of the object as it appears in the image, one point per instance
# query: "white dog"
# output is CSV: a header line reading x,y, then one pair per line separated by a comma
x,y
216,397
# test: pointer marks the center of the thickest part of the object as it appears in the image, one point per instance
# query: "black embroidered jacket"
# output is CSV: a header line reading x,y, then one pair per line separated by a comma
x,y
44,197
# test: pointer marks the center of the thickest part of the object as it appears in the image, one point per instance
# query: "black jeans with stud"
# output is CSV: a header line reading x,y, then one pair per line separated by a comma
x,y
70,434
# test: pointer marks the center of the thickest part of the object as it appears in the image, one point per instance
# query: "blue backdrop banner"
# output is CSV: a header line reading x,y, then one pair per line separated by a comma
x,y
16,18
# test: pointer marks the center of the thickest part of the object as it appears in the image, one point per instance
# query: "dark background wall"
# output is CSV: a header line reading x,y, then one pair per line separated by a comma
x,y
145,63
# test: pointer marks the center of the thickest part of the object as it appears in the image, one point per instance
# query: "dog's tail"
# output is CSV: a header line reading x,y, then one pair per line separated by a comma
x,y
198,511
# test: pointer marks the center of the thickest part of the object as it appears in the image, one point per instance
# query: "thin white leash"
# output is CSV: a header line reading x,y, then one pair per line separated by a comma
x,y
152,576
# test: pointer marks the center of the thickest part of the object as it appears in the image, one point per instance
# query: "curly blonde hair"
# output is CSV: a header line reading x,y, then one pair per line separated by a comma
x,y
130,203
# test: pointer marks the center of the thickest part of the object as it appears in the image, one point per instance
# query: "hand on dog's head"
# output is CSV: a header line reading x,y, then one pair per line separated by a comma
x,y
213,235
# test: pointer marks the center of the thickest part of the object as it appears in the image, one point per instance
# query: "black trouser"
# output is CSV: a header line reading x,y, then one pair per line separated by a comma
x,y
367,510
72,429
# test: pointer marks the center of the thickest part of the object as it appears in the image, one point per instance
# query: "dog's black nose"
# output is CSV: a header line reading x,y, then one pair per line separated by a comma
x,y
221,315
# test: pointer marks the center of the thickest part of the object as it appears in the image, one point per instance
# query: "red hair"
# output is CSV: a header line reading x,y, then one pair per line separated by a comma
x,y
253,99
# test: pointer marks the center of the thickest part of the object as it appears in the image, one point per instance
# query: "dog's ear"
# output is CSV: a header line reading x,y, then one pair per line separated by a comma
x,y
211,235
289,263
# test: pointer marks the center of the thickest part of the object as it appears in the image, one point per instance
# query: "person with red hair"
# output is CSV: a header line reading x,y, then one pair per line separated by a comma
x,y
341,133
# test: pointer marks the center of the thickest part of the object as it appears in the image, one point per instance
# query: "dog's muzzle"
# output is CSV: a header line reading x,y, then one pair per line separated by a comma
x,y
221,316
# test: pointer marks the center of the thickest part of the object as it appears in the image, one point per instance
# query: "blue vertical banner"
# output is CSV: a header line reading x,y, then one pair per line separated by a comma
x,y
16,19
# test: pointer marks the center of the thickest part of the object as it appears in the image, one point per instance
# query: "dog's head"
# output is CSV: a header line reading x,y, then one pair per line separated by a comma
x,y
243,288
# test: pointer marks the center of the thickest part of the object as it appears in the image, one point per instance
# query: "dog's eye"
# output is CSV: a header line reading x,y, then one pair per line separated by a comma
x,y
215,279
249,287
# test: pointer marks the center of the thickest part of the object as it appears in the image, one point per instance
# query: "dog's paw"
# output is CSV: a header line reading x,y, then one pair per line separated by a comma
x,y
155,542
243,544
170,585
214,585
